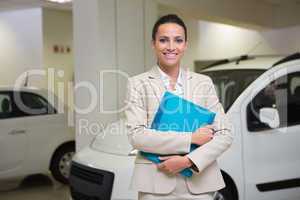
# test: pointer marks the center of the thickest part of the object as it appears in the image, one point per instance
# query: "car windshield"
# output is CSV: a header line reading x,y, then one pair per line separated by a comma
x,y
230,84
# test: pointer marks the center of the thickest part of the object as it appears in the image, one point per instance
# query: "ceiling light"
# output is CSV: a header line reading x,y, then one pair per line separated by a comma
x,y
60,1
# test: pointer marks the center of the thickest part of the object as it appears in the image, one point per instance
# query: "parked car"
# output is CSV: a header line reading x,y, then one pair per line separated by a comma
x,y
261,96
34,136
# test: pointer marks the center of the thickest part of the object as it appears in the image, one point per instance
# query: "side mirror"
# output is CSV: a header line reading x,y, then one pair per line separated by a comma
x,y
133,152
270,116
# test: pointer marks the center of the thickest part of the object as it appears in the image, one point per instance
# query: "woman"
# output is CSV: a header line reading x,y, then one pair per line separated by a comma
x,y
163,181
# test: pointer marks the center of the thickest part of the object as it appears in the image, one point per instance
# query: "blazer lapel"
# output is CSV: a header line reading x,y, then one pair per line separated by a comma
x,y
156,83
187,84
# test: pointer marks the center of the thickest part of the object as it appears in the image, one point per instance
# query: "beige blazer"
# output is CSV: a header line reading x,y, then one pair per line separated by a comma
x,y
144,93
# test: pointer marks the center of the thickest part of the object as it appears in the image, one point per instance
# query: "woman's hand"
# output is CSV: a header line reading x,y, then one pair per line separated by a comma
x,y
174,164
202,135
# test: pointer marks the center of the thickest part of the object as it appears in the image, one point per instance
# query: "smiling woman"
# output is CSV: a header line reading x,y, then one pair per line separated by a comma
x,y
169,41
145,91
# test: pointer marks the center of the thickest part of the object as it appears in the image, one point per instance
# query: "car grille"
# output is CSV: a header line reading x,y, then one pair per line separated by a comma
x,y
87,183
84,174
80,196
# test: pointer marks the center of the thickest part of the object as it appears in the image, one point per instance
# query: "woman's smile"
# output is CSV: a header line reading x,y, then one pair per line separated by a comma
x,y
170,55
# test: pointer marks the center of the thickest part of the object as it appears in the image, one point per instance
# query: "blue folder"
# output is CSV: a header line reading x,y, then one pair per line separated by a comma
x,y
179,115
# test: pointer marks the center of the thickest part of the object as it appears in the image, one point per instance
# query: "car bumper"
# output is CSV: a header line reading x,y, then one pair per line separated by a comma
x,y
98,175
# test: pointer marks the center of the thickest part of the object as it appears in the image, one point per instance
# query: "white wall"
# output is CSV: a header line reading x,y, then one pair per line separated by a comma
x,y
217,41
58,30
21,45
283,41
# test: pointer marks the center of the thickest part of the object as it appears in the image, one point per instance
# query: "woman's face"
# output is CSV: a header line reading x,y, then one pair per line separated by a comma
x,y
169,45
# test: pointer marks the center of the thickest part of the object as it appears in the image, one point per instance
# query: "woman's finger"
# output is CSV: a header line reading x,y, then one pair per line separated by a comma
x,y
161,166
165,157
210,127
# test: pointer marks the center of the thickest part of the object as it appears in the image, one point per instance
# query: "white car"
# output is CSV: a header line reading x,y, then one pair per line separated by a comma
x,y
34,137
261,96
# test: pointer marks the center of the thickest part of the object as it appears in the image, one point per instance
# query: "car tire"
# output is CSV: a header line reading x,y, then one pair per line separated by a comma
x,y
226,193
61,161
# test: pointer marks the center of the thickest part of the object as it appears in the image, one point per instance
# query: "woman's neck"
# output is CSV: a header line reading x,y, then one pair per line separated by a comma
x,y
172,72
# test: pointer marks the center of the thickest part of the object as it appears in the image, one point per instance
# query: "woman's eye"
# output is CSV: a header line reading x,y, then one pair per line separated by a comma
x,y
179,40
162,40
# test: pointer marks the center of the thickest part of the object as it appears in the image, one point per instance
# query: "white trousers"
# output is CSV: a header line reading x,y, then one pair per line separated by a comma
x,y
180,192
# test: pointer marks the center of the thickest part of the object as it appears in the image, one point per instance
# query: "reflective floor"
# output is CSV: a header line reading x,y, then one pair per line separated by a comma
x,y
38,187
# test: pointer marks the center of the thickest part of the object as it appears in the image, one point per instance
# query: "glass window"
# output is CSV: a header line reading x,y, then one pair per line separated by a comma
x,y
5,106
33,104
294,99
282,94
230,84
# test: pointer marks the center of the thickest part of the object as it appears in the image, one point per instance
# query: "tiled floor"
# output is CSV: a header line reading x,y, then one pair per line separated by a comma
x,y
37,187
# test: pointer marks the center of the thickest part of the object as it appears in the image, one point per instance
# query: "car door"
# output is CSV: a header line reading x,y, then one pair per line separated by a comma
x,y
43,125
13,138
271,155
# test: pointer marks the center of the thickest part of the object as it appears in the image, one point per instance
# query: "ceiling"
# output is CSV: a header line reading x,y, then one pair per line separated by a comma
x,y
21,4
259,14
283,2
251,13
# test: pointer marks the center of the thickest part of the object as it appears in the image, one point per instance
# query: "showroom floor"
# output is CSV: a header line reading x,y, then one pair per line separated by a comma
x,y
37,187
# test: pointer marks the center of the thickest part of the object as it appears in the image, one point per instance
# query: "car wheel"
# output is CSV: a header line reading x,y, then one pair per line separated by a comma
x,y
225,194
61,162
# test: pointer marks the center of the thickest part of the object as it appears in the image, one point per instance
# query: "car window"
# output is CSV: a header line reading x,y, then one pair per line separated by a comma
x,y
33,104
294,99
5,106
282,94
230,84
